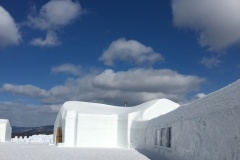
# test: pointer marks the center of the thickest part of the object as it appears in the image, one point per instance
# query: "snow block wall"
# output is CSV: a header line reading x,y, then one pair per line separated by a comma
x,y
208,128
5,130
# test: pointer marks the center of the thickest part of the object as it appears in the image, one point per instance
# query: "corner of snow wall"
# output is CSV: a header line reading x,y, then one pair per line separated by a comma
x,y
140,127
6,130
58,123
205,129
160,107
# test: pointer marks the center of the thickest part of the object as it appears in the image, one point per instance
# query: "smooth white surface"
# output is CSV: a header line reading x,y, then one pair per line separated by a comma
x,y
97,130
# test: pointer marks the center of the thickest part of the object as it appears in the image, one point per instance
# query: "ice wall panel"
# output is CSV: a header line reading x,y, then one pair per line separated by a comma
x,y
70,128
8,135
97,131
122,131
2,132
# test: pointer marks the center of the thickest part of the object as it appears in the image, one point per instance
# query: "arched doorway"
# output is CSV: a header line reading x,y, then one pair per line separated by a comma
x,y
59,136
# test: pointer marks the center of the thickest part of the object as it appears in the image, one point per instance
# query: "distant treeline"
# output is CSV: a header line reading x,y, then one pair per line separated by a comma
x,y
29,131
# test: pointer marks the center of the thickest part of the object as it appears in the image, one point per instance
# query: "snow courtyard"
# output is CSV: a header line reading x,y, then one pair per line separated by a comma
x,y
20,151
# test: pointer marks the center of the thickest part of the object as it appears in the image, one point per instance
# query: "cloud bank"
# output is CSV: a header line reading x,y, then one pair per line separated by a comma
x,y
134,86
9,33
216,21
130,51
28,115
147,80
111,87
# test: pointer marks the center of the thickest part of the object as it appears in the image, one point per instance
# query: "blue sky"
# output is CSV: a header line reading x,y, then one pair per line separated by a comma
x,y
105,51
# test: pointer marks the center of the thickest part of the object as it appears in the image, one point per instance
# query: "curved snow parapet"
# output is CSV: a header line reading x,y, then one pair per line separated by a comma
x,y
5,130
98,125
208,128
155,108
147,111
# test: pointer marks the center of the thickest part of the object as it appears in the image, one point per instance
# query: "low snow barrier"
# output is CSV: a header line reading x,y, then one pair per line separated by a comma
x,y
43,139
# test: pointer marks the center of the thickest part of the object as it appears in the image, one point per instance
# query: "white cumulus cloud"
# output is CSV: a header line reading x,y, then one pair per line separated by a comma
x,y
53,16
9,33
68,69
211,62
200,95
25,90
148,80
50,40
130,51
216,21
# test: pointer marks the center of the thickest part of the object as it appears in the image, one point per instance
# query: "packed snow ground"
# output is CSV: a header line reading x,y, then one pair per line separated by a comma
x,y
13,151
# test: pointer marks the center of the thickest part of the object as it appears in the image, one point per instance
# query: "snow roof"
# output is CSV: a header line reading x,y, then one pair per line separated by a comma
x,y
149,109
223,99
4,121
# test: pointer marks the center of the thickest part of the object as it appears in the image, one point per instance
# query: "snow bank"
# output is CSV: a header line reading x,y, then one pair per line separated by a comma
x,y
5,130
207,128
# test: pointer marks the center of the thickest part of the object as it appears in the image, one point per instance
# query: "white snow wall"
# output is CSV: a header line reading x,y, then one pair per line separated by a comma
x,y
89,130
5,130
207,129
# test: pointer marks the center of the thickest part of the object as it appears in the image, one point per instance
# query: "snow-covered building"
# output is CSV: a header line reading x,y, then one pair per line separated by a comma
x,y
5,130
98,125
208,128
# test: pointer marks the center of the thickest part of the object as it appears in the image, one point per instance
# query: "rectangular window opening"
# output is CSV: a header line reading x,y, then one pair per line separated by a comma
x,y
156,140
169,137
163,134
